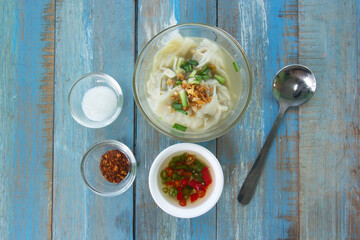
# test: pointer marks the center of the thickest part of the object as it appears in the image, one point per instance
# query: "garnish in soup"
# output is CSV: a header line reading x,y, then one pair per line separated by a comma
x,y
191,82
185,178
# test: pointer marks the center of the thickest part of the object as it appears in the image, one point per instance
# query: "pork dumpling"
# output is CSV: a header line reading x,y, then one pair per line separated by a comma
x,y
181,87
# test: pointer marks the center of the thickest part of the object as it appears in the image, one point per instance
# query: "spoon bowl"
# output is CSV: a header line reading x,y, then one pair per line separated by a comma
x,y
293,85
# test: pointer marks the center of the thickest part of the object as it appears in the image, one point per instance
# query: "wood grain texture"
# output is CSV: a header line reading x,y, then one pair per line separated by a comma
x,y
310,188
267,30
26,119
329,123
154,16
91,36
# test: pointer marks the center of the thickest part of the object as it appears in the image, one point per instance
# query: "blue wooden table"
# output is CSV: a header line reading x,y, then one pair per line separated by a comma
x,y
310,188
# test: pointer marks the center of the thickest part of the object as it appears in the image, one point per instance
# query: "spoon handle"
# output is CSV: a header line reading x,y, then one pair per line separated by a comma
x,y
249,186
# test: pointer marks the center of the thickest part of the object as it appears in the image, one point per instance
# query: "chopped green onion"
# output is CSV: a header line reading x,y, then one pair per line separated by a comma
x,y
187,68
179,70
183,97
165,190
181,111
180,127
193,62
192,74
178,83
199,77
193,81
205,77
203,69
180,62
177,106
221,80
235,66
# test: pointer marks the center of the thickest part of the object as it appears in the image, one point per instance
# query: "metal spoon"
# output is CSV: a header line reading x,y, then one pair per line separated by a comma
x,y
293,85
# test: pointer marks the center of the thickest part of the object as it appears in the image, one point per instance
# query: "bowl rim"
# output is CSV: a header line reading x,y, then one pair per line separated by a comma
x,y
193,139
183,212
119,94
132,174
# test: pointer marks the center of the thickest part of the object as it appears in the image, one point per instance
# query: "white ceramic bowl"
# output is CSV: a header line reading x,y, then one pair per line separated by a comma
x,y
202,205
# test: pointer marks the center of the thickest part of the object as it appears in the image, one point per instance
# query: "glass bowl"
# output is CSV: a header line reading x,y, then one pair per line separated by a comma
x,y
81,86
202,205
93,178
143,67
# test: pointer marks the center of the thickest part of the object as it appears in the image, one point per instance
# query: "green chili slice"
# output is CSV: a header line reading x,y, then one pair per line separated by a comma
x,y
184,167
163,174
176,176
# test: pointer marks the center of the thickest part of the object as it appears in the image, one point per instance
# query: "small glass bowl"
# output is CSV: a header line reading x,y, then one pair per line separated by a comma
x,y
93,178
81,86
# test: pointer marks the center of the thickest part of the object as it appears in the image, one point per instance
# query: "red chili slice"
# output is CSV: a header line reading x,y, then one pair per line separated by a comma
x,y
195,184
180,196
193,197
184,182
201,193
169,183
206,176
182,172
182,202
169,171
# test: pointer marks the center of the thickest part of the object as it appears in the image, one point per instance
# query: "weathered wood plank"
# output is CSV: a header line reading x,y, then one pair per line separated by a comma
x,y
268,32
151,221
91,36
26,119
329,123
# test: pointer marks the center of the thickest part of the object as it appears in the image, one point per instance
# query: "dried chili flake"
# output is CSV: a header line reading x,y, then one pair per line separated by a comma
x,y
114,166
